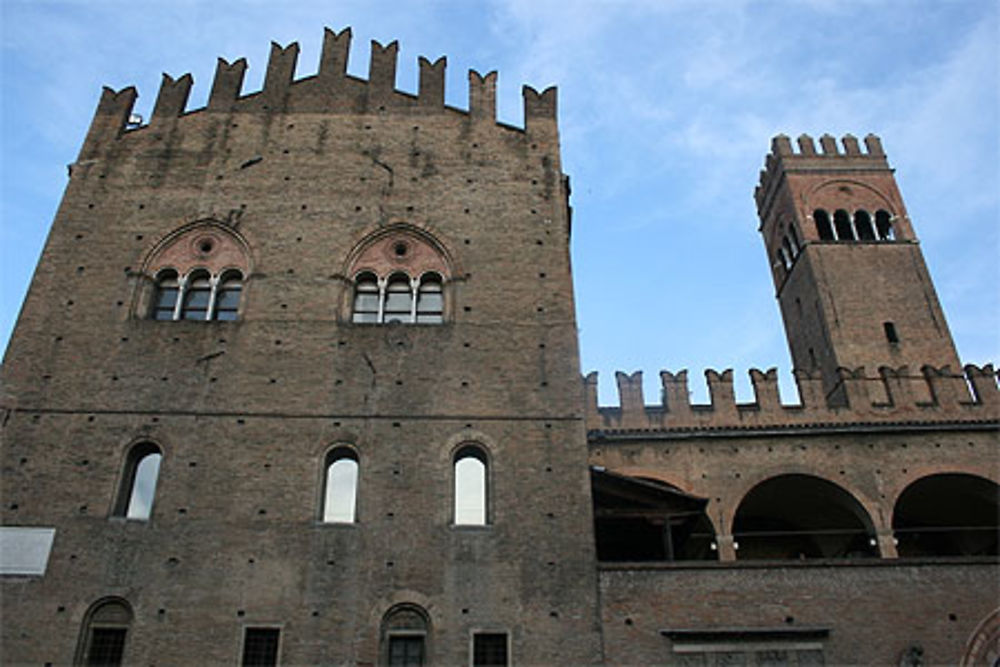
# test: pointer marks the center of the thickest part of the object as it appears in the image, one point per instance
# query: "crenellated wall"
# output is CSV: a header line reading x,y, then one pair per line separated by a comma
x,y
891,395
330,91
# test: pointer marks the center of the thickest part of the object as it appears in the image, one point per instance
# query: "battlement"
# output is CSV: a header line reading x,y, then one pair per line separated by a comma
x,y
331,90
848,156
894,395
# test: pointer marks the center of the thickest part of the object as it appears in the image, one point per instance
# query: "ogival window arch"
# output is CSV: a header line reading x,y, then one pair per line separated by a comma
x,y
197,273
400,274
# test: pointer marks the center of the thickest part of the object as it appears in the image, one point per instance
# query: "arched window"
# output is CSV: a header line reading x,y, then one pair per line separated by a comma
x,y
471,487
227,296
398,299
105,629
165,297
794,236
823,521
863,223
405,636
340,486
949,514
883,225
197,296
842,223
787,245
823,227
430,300
783,259
366,298
138,485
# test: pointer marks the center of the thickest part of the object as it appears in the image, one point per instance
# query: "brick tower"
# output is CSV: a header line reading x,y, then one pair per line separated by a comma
x,y
331,324
850,278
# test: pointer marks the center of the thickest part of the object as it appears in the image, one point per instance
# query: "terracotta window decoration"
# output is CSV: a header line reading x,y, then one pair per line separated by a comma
x,y
399,275
198,274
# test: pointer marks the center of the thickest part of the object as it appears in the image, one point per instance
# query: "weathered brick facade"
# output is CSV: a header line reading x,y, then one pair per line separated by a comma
x,y
302,190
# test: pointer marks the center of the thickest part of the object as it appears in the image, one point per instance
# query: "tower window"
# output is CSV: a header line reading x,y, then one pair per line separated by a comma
x,y
823,226
138,486
260,647
863,224
883,225
890,332
789,252
794,236
842,223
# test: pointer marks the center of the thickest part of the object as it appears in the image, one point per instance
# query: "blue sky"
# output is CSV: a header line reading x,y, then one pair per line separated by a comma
x,y
666,113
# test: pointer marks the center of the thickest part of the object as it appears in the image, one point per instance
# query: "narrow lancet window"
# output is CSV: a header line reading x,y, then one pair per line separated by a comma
x,y
138,488
341,486
470,487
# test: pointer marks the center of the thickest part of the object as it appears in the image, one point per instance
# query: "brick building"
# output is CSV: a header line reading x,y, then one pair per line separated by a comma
x,y
256,409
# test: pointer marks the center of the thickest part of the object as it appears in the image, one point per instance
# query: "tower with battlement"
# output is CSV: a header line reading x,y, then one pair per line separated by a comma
x,y
288,302
297,382
848,272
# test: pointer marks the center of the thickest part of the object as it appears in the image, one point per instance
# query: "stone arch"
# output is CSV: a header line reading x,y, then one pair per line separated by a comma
x,y
734,494
799,515
947,514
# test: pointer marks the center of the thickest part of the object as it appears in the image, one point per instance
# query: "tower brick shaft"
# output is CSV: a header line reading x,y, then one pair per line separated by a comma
x,y
848,272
